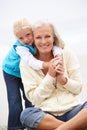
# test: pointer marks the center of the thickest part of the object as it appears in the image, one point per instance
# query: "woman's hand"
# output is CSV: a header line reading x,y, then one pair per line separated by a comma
x,y
51,69
60,66
54,66
60,71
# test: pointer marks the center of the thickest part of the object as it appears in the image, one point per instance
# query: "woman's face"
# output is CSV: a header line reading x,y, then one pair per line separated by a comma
x,y
43,38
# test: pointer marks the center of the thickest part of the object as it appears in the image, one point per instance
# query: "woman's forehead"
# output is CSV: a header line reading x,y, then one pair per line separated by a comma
x,y
44,28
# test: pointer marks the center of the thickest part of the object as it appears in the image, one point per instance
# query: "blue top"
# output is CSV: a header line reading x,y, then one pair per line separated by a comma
x,y
11,62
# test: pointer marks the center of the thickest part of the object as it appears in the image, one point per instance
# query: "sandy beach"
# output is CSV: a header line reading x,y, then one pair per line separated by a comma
x,y
3,96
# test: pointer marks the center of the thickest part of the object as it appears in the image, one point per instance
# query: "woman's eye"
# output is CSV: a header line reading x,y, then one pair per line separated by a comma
x,y
38,37
48,36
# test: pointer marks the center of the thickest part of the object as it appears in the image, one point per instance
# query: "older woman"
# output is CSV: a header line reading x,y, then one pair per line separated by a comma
x,y
54,90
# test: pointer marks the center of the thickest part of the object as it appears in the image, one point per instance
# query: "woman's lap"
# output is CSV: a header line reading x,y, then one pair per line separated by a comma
x,y
68,115
30,117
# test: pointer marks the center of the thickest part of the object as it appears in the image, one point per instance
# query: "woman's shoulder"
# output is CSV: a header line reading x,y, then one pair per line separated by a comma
x,y
69,54
68,51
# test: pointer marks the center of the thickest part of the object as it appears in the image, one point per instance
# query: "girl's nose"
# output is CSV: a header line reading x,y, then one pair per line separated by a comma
x,y
25,40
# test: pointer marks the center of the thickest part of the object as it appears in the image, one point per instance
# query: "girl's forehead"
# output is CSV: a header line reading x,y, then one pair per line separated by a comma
x,y
23,32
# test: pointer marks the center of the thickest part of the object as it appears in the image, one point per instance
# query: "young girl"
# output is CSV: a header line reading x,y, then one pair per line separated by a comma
x,y
24,47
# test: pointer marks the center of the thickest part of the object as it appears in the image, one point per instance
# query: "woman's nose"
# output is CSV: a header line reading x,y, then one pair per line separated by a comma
x,y
43,40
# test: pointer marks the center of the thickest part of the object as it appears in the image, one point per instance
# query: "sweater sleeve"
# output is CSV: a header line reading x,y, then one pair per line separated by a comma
x,y
27,57
72,68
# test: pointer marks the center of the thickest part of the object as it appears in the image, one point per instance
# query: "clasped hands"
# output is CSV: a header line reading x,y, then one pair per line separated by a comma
x,y
56,69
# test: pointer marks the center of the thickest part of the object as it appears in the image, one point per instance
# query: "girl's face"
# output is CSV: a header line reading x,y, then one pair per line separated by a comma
x,y
43,38
25,36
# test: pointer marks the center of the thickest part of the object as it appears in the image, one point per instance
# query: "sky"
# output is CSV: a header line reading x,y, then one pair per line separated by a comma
x,y
68,16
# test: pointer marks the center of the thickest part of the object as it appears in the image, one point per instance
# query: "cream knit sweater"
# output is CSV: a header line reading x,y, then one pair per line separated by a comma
x,y
43,91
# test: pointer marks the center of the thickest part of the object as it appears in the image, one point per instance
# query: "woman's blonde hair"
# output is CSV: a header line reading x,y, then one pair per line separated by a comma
x,y
21,24
57,40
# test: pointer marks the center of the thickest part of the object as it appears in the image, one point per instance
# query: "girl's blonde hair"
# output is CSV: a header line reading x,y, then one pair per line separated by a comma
x,y
57,40
21,24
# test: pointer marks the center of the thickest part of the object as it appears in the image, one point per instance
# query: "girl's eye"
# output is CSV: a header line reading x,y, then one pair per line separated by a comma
x,y
28,34
21,38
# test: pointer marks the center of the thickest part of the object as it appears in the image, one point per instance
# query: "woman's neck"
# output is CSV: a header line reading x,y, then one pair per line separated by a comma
x,y
45,57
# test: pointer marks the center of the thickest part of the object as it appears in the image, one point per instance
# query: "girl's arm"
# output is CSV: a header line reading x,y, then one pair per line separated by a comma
x,y
28,58
57,50
26,55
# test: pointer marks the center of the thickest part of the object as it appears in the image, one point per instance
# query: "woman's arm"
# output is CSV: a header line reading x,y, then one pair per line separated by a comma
x,y
71,78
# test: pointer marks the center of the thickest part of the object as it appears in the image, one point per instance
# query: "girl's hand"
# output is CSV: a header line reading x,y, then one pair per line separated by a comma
x,y
51,69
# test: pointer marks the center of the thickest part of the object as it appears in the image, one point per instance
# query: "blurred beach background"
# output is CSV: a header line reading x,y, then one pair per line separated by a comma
x,y
70,20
